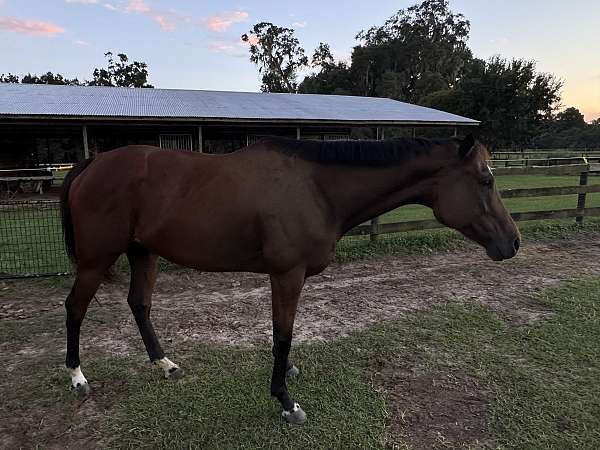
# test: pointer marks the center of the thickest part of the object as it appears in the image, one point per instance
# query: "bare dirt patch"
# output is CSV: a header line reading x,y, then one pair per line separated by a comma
x,y
433,409
192,307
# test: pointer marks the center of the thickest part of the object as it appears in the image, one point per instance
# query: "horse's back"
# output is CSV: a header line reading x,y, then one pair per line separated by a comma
x,y
213,212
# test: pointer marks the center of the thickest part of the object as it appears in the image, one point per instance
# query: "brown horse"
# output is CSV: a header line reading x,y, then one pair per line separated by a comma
x,y
277,207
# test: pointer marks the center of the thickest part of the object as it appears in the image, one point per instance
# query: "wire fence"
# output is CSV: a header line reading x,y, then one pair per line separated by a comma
x,y
31,241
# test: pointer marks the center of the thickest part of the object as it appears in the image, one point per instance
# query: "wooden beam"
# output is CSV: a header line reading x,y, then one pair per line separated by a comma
x,y
414,225
86,148
200,140
549,191
570,169
298,133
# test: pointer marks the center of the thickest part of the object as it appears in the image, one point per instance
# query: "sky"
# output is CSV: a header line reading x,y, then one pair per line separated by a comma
x,y
191,44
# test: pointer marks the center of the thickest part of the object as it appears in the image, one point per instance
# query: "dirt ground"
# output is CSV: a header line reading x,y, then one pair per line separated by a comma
x,y
191,307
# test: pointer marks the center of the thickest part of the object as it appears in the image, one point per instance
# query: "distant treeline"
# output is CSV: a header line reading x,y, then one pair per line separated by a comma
x,y
420,55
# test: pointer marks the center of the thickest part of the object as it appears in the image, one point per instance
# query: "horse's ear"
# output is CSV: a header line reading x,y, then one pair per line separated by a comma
x,y
466,146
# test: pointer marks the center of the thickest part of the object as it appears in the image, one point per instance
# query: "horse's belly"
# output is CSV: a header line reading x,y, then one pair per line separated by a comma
x,y
222,248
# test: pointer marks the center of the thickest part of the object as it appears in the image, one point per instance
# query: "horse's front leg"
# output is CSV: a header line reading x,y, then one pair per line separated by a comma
x,y
286,290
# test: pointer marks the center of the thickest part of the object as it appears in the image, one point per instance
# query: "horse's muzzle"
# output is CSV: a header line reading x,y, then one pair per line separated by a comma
x,y
505,249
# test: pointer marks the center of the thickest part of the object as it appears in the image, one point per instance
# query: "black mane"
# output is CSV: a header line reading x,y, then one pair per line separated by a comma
x,y
357,152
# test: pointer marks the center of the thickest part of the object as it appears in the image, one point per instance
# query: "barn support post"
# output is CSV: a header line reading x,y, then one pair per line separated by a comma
x,y
583,181
375,220
298,133
86,148
455,131
414,132
200,140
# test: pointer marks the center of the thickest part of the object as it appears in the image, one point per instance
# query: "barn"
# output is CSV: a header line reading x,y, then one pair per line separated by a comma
x,y
49,124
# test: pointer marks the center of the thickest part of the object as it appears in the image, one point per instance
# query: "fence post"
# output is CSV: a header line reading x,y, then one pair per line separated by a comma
x,y
583,181
374,229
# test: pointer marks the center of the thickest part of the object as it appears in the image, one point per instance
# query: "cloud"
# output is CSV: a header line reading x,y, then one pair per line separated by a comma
x,y
167,20
299,24
222,22
237,49
30,27
81,43
171,19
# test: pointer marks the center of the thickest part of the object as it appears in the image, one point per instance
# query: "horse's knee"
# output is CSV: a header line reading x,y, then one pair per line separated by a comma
x,y
140,310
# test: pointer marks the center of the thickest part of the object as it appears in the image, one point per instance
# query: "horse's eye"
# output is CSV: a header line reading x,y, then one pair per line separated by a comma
x,y
488,182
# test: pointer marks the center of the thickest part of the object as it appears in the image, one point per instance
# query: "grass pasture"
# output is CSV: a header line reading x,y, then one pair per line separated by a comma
x,y
397,385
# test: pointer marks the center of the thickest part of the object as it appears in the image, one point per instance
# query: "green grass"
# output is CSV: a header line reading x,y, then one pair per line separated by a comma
x,y
545,376
31,241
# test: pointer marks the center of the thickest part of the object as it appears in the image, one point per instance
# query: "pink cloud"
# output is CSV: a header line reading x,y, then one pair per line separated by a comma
x,y
222,22
252,40
237,49
166,20
137,6
30,27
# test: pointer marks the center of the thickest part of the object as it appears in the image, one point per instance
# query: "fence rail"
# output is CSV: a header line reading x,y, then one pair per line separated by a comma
x,y
31,242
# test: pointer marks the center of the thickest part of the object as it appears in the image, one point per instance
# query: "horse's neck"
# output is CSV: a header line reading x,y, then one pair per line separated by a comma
x,y
357,194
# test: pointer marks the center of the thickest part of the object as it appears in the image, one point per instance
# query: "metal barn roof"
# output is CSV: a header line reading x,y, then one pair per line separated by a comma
x,y
28,101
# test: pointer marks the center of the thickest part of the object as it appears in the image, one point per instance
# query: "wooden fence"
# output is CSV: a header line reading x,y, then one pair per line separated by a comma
x,y
578,166
31,242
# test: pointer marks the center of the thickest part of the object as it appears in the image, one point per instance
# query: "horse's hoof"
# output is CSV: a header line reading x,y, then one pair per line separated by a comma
x,y
296,416
293,372
175,373
81,390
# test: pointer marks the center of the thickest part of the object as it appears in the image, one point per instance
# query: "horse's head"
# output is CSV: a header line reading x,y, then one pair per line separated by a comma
x,y
467,200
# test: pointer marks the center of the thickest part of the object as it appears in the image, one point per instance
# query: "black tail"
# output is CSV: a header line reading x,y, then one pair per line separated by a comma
x,y
65,209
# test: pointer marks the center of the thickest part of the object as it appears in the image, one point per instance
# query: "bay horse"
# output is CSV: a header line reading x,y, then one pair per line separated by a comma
x,y
277,207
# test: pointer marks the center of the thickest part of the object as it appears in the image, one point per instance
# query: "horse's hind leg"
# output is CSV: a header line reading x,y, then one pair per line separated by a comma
x,y
143,277
84,288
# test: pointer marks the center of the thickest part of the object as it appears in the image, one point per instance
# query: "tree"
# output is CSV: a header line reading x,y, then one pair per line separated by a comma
x,y
121,73
332,78
322,56
278,55
49,78
46,78
570,118
511,99
117,73
9,78
419,50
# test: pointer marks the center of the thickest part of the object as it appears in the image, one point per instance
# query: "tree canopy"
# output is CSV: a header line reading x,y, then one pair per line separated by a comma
x,y
117,73
278,55
420,55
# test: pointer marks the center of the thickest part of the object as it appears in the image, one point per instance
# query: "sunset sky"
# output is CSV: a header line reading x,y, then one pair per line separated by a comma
x,y
195,44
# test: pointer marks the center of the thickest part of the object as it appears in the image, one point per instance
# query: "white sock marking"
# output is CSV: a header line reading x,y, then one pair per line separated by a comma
x,y
166,364
285,413
77,378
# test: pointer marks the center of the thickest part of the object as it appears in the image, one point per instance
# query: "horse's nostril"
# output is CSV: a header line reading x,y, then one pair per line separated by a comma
x,y
517,244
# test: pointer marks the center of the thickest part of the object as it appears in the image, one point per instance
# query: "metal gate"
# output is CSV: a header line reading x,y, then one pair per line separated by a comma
x,y
176,141
31,240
